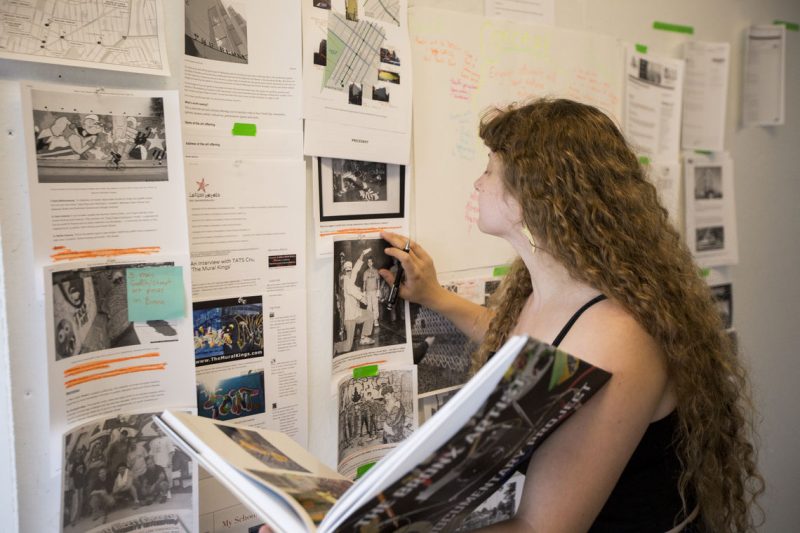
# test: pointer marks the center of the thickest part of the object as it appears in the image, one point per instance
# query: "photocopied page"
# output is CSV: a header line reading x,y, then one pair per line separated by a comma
x,y
241,98
705,95
101,176
763,98
665,175
376,412
117,338
653,93
710,209
357,80
365,330
357,198
122,473
124,35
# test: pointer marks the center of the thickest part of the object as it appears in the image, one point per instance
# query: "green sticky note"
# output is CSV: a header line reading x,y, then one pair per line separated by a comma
x,y
644,160
363,469
793,26
501,270
704,272
678,28
244,129
642,49
365,371
155,293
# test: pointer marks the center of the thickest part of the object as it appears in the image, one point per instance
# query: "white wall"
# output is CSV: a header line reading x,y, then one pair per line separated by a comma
x,y
765,291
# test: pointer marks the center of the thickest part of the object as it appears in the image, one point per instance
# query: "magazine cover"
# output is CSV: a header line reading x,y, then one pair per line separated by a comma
x,y
542,388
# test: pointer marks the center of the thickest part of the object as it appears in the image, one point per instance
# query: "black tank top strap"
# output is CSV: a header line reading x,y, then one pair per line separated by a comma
x,y
575,317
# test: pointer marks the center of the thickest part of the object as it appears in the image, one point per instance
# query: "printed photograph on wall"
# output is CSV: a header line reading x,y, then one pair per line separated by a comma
x,y
230,397
216,29
710,238
708,182
357,190
90,312
361,318
122,473
723,299
228,329
375,410
98,138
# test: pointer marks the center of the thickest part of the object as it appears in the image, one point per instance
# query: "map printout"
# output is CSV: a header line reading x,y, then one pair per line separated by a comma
x,y
124,35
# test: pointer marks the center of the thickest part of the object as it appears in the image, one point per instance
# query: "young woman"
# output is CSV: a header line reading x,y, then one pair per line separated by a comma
x,y
666,444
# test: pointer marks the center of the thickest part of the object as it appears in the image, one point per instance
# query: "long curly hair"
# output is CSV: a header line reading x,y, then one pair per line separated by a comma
x,y
584,195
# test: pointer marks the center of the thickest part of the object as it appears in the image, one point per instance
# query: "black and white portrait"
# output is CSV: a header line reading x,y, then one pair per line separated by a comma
x,y
362,319
90,312
353,190
375,410
98,137
707,182
121,467
710,238
216,29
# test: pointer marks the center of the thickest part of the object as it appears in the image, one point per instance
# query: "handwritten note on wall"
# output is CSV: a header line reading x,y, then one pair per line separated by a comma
x,y
155,293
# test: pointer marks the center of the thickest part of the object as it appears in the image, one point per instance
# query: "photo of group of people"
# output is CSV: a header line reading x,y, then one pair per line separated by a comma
x,y
121,467
90,311
361,317
357,190
94,145
228,329
375,410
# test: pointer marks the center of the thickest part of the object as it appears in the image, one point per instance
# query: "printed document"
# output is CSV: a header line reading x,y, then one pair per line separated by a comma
x,y
705,93
763,95
653,90
124,35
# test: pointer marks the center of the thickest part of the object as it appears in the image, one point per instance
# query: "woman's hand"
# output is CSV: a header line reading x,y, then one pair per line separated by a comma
x,y
419,283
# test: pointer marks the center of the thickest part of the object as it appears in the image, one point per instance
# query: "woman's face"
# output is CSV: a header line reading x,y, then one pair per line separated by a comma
x,y
499,212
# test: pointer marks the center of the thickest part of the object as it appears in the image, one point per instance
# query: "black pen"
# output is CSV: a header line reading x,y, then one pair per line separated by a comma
x,y
398,278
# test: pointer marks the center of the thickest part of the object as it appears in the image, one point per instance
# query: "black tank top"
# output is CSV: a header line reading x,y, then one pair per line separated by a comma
x,y
645,498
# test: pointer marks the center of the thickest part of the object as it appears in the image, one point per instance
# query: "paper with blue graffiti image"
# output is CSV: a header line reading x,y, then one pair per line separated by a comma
x,y
226,330
231,398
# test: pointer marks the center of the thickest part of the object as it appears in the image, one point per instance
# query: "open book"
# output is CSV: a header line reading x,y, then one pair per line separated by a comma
x,y
433,480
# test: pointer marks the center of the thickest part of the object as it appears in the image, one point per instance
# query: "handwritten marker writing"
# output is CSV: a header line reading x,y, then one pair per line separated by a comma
x,y
397,280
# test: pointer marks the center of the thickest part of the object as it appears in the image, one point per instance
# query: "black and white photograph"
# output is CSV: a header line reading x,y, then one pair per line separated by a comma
x,y
441,351
86,138
253,443
216,29
387,75
321,54
361,318
723,299
710,238
499,507
708,182
90,312
380,94
358,190
375,410
123,469
355,94
430,404
389,56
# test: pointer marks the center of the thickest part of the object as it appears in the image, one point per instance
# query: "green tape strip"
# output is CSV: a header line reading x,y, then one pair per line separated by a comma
x,y
678,28
642,49
244,129
704,272
704,152
365,371
793,26
363,469
644,160
501,270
